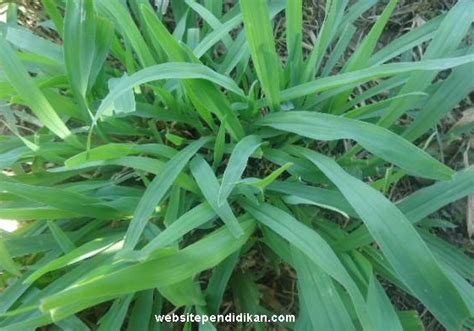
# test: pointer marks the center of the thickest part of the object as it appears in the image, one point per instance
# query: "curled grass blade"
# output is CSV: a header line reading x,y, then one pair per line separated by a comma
x,y
166,71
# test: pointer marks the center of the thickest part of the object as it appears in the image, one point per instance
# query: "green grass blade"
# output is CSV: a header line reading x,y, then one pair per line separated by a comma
x,y
361,76
166,269
157,190
264,182
387,84
219,146
145,164
334,11
204,96
125,103
27,213
184,293
126,221
371,110
314,247
449,255
451,92
236,166
86,43
431,198
219,281
447,38
406,42
215,7
187,222
61,238
73,323
209,186
411,320
117,150
318,196
31,94
115,316
414,264
221,32
247,295
6,261
54,13
339,49
262,48
141,313
383,310
161,38
123,22
423,203
318,295
29,42
105,152
294,32
236,54
356,10
363,52
174,206
60,198
76,255
166,71
210,19
18,287
377,140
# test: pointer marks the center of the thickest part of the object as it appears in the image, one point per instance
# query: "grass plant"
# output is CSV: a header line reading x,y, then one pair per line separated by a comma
x,y
151,152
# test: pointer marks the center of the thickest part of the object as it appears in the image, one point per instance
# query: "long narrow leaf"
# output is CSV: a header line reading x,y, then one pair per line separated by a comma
x,y
236,166
166,269
31,94
157,190
260,38
315,248
414,264
379,141
209,186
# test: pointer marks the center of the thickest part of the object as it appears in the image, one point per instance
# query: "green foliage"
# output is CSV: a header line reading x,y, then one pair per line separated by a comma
x,y
150,164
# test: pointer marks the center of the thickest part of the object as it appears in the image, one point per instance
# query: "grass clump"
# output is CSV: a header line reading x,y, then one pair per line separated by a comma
x,y
174,159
